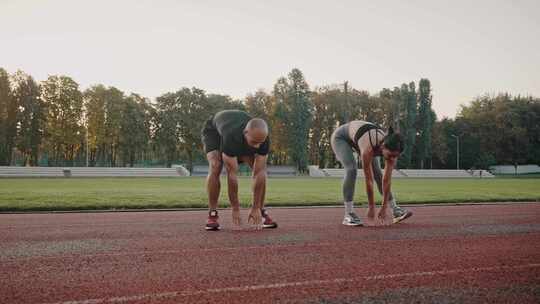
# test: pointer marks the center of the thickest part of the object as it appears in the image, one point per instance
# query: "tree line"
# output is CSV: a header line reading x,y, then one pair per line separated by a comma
x,y
55,123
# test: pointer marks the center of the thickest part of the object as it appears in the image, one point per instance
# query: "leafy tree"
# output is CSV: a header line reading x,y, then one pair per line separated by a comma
x,y
64,129
426,118
279,122
216,102
114,105
31,120
498,130
441,136
167,132
94,104
409,124
321,130
512,133
134,131
8,119
295,112
179,120
194,109
259,105
104,113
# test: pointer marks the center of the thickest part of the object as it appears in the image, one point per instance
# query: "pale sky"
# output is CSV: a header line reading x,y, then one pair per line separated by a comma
x,y
150,47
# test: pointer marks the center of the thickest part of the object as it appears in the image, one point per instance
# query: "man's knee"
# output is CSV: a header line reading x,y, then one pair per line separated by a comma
x,y
215,167
215,163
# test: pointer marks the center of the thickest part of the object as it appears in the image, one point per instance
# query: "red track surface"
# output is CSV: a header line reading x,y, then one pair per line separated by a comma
x,y
446,254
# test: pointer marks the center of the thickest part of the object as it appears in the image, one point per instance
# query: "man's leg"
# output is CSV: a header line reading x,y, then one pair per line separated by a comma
x,y
398,212
213,187
344,154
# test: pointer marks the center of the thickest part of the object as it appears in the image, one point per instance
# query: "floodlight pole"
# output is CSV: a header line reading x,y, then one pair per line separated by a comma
x,y
347,106
87,145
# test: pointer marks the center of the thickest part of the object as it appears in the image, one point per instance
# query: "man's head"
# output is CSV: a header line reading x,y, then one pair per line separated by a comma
x,y
392,144
256,132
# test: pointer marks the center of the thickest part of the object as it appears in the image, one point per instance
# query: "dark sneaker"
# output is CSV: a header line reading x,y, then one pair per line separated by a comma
x,y
267,220
351,219
401,214
212,222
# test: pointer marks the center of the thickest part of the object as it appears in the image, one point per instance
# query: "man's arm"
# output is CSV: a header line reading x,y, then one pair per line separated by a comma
x,y
259,180
231,164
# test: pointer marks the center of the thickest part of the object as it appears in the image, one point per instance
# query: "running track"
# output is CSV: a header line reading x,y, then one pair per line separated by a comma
x,y
443,254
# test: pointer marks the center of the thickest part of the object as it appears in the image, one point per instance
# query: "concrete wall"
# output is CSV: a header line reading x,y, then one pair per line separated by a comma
x,y
509,169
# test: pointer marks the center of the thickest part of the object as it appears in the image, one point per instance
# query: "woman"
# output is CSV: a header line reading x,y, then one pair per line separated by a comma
x,y
370,142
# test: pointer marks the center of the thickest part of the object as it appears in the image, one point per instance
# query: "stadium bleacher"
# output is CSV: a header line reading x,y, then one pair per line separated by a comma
x,y
31,171
202,170
407,173
90,172
330,172
273,171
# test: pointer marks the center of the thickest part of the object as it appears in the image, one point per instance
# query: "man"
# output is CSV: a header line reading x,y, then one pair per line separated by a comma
x,y
370,142
231,137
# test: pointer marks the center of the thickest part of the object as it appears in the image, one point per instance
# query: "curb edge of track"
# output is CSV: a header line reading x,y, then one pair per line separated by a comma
x,y
270,207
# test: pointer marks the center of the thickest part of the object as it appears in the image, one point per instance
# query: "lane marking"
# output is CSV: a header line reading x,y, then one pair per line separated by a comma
x,y
173,294
205,209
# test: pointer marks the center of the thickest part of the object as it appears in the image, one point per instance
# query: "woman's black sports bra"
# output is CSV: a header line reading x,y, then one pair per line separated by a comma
x,y
360,132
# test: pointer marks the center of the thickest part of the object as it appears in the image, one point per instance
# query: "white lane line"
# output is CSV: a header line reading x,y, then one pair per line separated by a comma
x,y
173,294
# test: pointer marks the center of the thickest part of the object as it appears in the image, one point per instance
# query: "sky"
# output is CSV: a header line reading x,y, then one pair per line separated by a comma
x,y
150,47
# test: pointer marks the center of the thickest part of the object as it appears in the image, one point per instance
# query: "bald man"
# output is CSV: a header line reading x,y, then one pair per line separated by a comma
x,y
231,137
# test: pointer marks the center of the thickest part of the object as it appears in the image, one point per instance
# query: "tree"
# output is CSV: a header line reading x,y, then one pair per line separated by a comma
x,y
386,109
499,129
409,130
442,132
295,111
194,109
329,110
319,143
167,134
512,132
114,105
31,120
359,105
94,105
279,136
64,131
134,131
259,105
104,113
8,119
426,118
215,102
179,120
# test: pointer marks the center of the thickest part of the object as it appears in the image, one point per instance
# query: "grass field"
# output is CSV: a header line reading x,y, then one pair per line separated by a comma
x,y
119,193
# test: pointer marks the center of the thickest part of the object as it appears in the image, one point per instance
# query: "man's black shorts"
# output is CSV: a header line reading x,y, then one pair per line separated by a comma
x,y
210,136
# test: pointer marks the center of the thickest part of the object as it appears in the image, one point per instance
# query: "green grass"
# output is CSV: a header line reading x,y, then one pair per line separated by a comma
x,y
120,193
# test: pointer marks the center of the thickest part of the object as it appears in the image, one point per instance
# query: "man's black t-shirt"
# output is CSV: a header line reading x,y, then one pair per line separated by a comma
x,y
230,125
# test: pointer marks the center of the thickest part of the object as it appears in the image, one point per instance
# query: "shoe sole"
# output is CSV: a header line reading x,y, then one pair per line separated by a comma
x,y
352,224
407,215
272,226
212,228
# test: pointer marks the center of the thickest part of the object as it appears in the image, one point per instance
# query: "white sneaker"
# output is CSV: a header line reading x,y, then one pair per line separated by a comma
x,y
400,214
351,219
